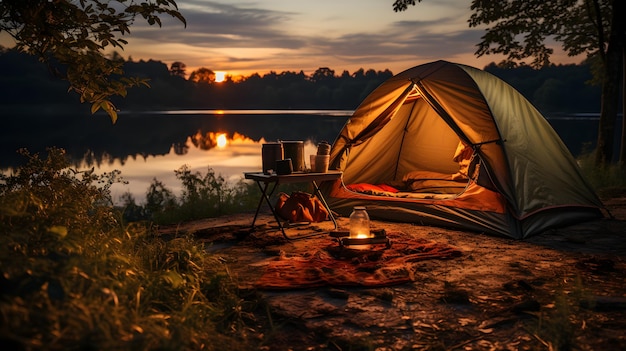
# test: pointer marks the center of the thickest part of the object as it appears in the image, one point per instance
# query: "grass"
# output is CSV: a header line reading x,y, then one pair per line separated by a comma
x,y
203,196
76,275
558,324
609,180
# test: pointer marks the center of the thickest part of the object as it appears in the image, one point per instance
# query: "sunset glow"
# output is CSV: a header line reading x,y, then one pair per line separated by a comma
x,y
220,76
275,36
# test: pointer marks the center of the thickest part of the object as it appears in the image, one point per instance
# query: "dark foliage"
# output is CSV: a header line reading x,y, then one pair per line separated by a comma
x,y
558,88
553,89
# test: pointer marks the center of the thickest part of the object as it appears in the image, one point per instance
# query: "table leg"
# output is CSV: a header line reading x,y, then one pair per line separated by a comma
x,y
319,195
258,207
265,195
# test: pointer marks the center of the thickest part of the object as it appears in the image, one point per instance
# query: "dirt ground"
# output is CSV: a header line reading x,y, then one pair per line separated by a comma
x,y
562,290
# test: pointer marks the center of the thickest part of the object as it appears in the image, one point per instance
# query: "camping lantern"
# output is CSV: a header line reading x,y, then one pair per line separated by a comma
x,y
360,236
359,223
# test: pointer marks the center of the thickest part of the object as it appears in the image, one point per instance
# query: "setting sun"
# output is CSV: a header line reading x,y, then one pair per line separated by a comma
x,y
221,140
220,76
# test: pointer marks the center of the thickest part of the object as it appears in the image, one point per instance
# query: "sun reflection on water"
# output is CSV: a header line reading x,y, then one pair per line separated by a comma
x,y
228,156
222,140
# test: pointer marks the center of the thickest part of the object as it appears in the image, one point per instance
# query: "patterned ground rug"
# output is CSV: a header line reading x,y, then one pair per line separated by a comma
x,y
333,265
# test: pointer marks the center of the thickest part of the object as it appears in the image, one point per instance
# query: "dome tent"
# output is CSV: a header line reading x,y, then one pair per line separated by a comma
x,y
448,144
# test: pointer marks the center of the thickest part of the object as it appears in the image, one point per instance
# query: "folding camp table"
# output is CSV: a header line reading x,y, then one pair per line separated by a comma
x,y
269,182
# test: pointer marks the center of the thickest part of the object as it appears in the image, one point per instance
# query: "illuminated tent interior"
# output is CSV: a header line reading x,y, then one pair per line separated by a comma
x,y
450,145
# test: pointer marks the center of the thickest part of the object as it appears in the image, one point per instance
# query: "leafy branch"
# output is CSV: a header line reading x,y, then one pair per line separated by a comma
x,y
71,35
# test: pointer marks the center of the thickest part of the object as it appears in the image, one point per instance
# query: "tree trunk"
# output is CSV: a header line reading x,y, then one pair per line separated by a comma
x,y
622,154
610,87
608,112
619,30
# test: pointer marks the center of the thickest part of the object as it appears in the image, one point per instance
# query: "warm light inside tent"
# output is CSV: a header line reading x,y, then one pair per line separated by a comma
x,y
414,94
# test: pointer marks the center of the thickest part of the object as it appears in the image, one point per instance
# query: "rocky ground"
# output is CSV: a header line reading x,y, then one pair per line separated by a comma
x,y
562,290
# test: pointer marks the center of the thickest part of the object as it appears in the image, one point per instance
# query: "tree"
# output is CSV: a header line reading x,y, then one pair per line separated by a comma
x,y
322,74
178,69
521,29
202,75
71,35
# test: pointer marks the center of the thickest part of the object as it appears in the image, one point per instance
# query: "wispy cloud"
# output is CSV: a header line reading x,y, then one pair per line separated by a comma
x,y
271,35
212,24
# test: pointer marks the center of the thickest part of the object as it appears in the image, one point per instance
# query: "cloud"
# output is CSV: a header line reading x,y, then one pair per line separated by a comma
x,y
273,36
213,24
397,42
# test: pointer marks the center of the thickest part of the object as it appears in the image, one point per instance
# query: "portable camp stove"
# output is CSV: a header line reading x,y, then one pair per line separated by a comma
x,y
379,238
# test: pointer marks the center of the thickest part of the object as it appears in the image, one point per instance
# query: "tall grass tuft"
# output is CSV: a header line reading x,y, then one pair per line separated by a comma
x,y
203,196
609,180
559,323
75,277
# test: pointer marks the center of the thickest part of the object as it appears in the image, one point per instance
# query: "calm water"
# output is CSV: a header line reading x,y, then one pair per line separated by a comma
x,y
145,146
149,145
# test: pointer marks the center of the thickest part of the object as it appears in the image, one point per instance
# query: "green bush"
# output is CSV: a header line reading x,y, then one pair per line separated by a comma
x,y
74,277
203,196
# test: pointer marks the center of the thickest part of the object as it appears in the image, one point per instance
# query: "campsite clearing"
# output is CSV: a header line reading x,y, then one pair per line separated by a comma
x,y
565,288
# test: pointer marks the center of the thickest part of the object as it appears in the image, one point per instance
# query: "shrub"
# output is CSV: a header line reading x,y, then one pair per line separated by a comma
x,y
74,277
203,196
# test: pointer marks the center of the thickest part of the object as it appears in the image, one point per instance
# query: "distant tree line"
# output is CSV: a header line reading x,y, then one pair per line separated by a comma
x,y
26,83
554,88
286,90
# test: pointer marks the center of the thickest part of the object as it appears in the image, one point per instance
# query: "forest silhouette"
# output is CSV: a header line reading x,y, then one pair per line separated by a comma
x,y
27,82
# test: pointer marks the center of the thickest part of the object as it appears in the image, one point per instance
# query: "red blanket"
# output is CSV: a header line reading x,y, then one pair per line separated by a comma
x,y
343,266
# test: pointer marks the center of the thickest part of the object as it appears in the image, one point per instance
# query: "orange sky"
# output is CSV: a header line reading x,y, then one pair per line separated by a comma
x,y
247,36
242,37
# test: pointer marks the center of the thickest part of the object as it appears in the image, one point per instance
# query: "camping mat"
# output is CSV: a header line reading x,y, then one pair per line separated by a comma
x,y
333,265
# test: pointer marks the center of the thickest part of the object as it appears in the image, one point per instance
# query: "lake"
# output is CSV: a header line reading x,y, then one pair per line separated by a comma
x,y
149,145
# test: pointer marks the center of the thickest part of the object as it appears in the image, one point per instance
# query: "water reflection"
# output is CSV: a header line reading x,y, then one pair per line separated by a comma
x,y
207,141
142,133
148,145
201,152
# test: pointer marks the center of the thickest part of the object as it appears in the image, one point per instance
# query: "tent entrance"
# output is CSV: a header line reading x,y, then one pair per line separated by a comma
x,y
416,152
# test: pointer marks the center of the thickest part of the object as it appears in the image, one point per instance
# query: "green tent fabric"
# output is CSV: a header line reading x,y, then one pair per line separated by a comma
x,y
524,180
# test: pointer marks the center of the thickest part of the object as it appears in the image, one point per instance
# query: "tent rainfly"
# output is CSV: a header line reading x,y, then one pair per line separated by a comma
x,y
450,145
